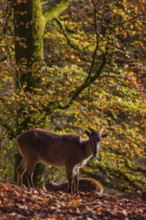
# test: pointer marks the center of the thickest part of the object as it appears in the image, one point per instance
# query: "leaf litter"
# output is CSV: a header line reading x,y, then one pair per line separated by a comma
x,y
31,204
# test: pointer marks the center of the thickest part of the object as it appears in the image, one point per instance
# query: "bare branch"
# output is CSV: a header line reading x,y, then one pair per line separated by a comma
x,y
65,34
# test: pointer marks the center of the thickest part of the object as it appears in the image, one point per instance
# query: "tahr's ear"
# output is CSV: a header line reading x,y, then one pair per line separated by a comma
x,y
50,180
91,130
100,132
104,135
87,133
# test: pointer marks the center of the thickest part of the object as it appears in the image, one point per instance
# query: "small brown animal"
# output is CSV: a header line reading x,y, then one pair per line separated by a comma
x,y
85,185
68,150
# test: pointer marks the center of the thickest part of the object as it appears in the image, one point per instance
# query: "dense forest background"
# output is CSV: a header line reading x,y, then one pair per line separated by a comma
x,y
70,65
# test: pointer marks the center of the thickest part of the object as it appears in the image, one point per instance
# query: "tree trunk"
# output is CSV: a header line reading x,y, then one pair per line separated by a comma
x,y
29,25
29,51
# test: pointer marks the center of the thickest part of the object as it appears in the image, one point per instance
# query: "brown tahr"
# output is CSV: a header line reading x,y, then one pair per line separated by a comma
x,y
85,185
68,150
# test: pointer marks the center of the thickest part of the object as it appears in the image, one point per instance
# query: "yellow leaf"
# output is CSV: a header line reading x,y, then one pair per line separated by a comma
x,y
115,10
131,73
73,56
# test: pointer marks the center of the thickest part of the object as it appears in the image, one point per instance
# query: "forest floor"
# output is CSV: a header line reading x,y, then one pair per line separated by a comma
x,y
25,204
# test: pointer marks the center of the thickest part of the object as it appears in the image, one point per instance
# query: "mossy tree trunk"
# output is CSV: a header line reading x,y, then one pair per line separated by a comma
x,y
29,51
29,26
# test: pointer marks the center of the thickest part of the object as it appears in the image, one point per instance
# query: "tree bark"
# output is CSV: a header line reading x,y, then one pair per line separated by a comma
x,y
29,26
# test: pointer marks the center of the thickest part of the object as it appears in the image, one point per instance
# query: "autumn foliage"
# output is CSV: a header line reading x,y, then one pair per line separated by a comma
x,y
93,74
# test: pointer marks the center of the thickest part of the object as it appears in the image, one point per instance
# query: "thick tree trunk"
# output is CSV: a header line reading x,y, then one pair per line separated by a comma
x,y
29,51
29,25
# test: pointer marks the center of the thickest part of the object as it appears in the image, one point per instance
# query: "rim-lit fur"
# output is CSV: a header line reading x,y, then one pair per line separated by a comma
x,y
85,185
68,150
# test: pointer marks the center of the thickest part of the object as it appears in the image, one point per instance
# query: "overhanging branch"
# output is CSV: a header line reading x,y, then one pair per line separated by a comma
x,y
89,80
55,10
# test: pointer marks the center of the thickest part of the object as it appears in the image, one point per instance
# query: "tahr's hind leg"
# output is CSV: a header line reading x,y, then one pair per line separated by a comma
x,y
20,171
69,174
76,183
29,173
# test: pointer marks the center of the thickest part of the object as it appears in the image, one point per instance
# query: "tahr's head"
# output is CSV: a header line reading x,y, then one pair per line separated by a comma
x,y
95,138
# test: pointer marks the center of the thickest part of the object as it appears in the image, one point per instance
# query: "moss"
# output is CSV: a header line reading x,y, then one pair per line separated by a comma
x,y
38,29
55,10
